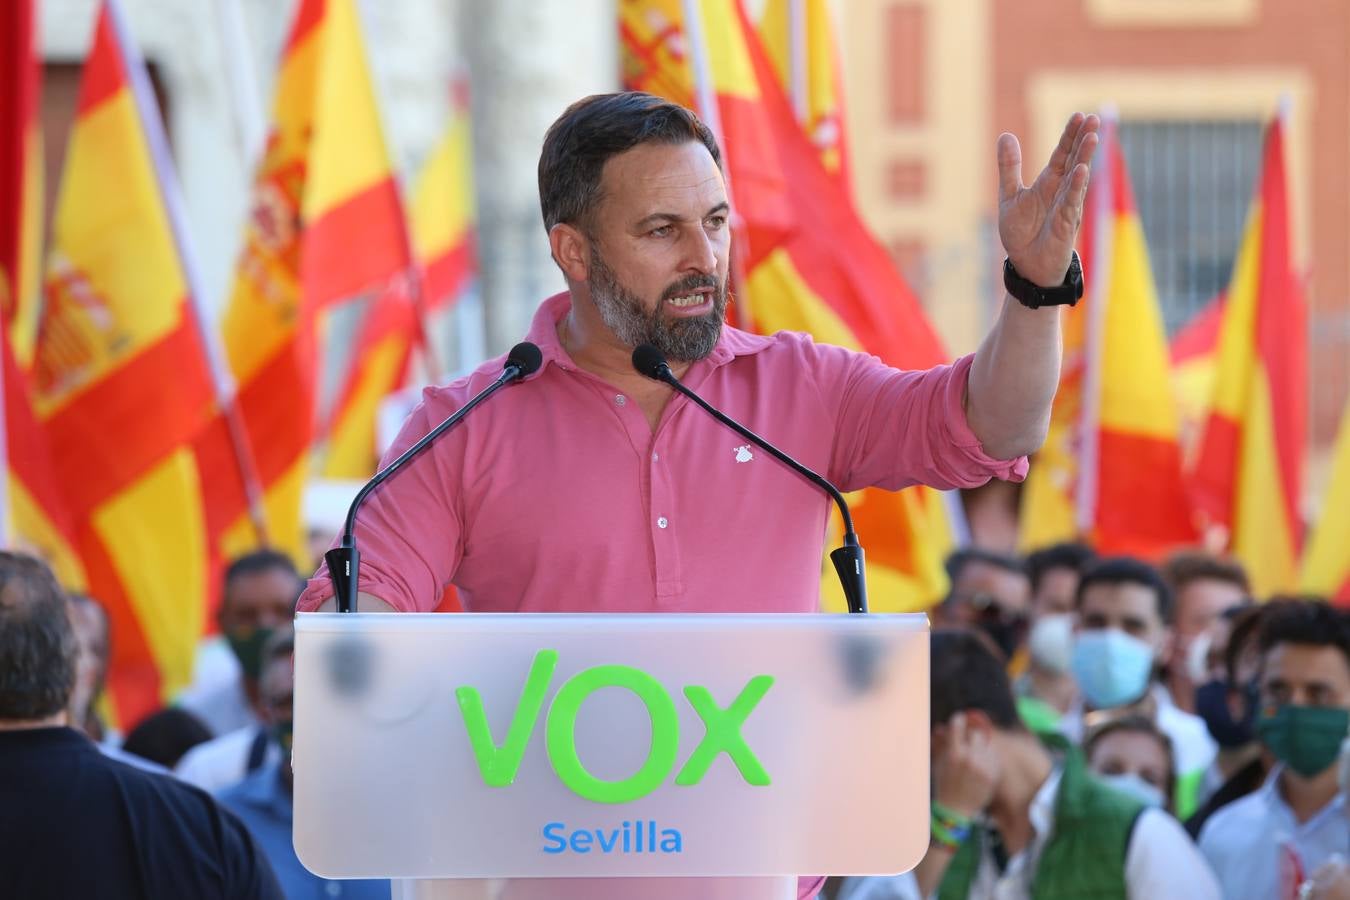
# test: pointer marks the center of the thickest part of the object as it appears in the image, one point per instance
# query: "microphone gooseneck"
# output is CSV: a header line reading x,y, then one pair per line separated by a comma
x,y
848,560
344,561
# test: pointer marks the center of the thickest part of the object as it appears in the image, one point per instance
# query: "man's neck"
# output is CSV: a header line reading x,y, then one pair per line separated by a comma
x,y
53,721
1027,765
594,348
1307,796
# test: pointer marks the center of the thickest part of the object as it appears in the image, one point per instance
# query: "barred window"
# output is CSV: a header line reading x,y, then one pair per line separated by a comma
x,y
1193,182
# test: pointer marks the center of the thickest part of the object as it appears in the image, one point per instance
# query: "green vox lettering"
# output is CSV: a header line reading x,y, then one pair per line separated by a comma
x,y
500,764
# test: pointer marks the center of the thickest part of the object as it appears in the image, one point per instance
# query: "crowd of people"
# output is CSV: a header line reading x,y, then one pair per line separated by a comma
x,y
1100,727
1105,727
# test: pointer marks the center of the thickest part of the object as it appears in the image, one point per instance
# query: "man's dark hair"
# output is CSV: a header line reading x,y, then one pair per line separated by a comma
x,y
1127,570
1068,555
1303,620
968,672
257,562
959,559
164,737
37,643
1193,565
599,127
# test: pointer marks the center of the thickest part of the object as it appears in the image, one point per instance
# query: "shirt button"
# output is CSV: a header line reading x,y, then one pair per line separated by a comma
x,y
661,522
655,457
620,399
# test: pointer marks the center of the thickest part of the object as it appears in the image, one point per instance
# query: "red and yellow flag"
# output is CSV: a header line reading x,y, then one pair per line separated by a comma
x,y
121,384
32,511
798,36
326,226
20,174
1326,564
1193,352
809,263
442,212
1248,473
1111,470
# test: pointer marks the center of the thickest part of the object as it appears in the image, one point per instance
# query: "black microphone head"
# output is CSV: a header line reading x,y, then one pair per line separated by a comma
x,y
526,357
650,362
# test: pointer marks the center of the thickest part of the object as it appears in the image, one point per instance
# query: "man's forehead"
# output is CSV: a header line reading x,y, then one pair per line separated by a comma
x,y
1125,598
651,177
1307,662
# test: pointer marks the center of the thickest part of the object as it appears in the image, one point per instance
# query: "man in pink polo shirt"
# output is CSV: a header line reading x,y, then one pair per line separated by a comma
x,y
589,487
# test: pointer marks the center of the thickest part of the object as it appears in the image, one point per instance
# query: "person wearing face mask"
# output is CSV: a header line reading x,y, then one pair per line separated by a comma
x,y
1017,815
1205,588
1268,843
1228,702
1134,757
263,799
1124,612
259,599
1046,690
989,591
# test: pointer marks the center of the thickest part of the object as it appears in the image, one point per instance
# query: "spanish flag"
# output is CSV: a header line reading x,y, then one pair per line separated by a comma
x,y
1111,470
21,176
808,261
799,39
1248,474
442,212
326,226
1326,565
32,511
121,383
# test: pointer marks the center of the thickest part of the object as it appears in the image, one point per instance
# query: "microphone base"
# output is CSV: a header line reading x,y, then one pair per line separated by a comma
x,y
850,566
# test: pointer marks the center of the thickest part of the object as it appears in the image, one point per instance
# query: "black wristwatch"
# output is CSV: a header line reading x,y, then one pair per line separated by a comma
x,y
1033,296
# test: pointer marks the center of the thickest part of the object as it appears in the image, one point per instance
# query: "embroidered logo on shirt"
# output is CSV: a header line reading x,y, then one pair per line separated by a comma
x,y
743,453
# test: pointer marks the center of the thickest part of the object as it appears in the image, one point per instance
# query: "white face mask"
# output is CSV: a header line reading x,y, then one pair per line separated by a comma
x,y
1130,783
1197,657
1051,643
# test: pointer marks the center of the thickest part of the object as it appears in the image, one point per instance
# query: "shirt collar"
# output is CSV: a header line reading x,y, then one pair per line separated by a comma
x,y
1042,809
1271,796
544,333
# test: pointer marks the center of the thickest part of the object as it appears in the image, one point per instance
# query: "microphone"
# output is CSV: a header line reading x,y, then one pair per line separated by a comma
x,y
344,561
848,559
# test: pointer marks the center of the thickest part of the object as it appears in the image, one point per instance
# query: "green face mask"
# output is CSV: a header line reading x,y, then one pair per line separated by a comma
x,y
1305,738
247,644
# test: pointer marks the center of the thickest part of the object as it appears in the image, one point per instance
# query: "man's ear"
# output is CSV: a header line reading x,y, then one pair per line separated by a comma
x,y
571,251
978,720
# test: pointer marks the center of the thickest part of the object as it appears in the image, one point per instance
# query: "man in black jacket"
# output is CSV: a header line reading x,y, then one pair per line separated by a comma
x,y
74,823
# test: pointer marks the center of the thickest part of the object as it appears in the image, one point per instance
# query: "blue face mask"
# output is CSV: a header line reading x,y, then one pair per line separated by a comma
x,y
1134,786
1111,667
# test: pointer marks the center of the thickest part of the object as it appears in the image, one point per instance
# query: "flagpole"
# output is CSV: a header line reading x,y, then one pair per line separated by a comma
x,y
197,312
1089,423
797,65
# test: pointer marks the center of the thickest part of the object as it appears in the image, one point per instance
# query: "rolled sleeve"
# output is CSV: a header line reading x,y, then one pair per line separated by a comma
x,y
897,428
408,531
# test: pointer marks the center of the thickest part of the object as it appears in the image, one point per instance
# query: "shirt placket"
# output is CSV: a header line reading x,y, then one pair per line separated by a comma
x,y
658,495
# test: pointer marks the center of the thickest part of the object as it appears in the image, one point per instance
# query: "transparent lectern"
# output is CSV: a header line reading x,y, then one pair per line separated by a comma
x,y
498,757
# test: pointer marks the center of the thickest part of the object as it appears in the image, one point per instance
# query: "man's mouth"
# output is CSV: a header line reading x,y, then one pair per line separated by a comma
x,y
691,300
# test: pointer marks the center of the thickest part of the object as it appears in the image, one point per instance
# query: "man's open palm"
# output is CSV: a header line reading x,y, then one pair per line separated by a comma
x,y
1038,224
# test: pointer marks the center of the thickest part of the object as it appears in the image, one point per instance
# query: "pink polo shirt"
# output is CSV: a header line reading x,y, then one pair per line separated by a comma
x,y
556,495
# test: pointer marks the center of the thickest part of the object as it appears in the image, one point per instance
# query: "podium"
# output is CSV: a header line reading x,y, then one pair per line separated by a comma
x,y
506,756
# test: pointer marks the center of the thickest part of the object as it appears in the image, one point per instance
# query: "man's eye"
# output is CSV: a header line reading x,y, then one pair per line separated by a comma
x,y
662,231
717,222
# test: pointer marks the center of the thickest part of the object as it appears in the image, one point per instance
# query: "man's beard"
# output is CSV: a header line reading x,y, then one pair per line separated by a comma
x,y
679,339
